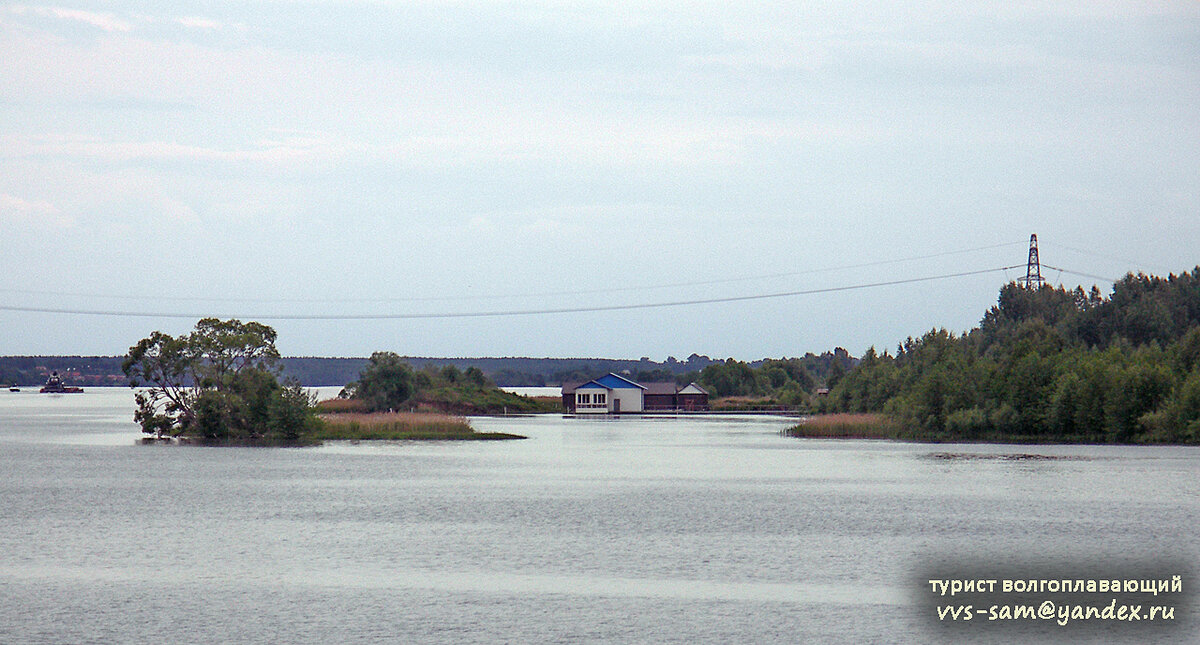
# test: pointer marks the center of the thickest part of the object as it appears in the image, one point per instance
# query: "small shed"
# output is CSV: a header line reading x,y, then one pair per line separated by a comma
x,y
660,396
691,397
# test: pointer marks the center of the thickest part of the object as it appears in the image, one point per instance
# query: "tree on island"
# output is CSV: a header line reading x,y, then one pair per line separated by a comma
x,y
220,383
384,384
388,383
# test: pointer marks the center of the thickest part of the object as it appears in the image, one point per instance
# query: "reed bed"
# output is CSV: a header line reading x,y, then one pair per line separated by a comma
x,y
847,426
548,403
341,406
397,426
744,404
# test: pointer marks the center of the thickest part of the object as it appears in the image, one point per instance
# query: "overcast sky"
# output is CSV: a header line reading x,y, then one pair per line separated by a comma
x,y
279,159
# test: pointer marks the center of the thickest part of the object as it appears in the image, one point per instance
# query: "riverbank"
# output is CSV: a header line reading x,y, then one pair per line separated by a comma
x,y
880,426
384,426
848,426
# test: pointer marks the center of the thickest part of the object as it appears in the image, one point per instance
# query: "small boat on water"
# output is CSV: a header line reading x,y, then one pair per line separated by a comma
x,y
14,388
54,385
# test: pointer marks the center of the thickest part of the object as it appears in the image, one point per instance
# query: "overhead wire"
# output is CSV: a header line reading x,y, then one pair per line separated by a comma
x,y
1098,254
1079,273
694,283
508,312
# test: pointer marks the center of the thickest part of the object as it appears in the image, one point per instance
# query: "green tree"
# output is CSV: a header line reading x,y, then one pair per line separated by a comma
x,y
218,382
1178,419
475,376
386,382
166,366
229,348
451,374
731,378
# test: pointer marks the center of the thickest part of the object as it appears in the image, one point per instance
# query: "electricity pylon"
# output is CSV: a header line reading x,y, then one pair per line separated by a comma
x,y
1033,269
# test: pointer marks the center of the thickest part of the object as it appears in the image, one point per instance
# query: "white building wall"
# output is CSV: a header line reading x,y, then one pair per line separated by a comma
x,y
590,407
631,399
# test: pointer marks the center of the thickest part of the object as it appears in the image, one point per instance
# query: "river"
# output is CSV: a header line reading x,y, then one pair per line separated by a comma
x,y
666,530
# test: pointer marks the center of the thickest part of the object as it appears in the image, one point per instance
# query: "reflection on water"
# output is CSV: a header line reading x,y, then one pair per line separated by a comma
x,y
707,529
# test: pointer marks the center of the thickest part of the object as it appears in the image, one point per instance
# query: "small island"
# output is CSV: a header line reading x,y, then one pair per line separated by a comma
x,y
220,386
392,401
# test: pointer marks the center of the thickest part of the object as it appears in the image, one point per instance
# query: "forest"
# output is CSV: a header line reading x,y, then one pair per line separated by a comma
x,y
1047,364
772,383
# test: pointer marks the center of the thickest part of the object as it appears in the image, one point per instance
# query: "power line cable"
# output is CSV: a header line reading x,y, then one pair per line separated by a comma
x,y
1079,273
510,312
510,295
1104,256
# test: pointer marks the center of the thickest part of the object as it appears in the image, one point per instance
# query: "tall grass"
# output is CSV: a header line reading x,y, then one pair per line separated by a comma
x,y
548,403
341,406
847,426
395,426
745,404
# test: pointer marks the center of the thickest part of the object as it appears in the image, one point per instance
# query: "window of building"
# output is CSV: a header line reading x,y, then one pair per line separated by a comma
x,y
601,399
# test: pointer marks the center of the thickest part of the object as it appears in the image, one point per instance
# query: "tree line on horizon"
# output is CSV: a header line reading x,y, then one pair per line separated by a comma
x,y
312,371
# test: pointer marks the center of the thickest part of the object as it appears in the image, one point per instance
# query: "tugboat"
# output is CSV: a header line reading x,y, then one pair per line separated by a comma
x,y
54,385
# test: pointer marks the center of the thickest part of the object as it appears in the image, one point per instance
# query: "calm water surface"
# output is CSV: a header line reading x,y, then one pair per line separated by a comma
x,y
678,530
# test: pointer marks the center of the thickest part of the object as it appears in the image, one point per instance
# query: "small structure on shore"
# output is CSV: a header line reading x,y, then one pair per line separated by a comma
x,y
614,394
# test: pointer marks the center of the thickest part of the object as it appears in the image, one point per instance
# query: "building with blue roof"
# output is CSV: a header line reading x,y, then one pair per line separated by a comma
x,y
615,394
609,394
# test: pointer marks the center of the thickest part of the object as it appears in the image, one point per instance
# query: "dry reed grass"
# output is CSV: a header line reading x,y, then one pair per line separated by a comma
x,y
341,406
393,425
846,425
399,426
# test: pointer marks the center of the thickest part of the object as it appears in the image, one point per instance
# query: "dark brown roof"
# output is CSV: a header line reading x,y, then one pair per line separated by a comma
x,y
660,388
651,388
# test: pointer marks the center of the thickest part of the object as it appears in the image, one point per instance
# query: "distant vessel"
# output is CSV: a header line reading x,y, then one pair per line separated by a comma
x,y
14,388
54,385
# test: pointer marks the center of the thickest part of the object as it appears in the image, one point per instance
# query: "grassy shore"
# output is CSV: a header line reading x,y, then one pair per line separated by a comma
x,y
844,425
395,426
848,426
356,426
745,404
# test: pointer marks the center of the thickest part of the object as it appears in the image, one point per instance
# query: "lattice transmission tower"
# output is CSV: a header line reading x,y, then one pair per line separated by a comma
x,y
1033,269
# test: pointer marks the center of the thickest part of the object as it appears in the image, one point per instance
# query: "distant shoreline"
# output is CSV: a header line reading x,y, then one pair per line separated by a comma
x,y
330,371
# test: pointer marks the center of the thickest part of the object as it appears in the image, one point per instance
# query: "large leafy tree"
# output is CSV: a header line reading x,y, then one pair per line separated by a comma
x,y
386,382
218,382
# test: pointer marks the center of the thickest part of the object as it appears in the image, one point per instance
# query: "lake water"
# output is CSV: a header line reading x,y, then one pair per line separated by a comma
x,y
535,391
665,530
